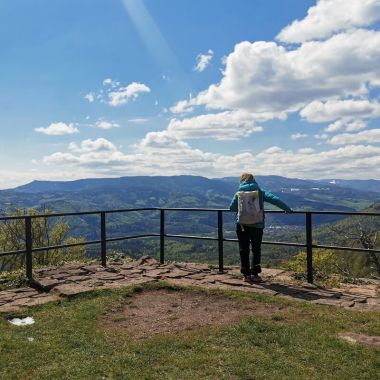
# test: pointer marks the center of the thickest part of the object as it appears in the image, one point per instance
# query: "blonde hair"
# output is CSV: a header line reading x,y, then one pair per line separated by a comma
x,y
247,177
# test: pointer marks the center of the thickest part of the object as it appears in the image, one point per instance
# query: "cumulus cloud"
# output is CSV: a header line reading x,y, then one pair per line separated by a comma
x,y
329,78
103,124
297,136
123,94
330,16
203,60
110,82
115,95
90,153
319,111
347,125
266,77
228,125
138,120
57,129
159,153
91,96
369,136
183,106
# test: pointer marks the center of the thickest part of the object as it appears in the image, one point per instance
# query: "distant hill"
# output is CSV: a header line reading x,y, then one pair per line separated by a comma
x,y
178,191
358,184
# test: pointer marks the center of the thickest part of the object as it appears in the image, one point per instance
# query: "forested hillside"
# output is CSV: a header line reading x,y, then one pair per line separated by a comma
x,y
191,191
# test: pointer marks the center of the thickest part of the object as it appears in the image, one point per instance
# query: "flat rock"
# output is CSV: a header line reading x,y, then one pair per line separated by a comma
x,y
91,268
47,283
234,282
68,290
365,290
347,304
77,278
156,273
24,295
176,273
269,272
196,276
373,301
147,260
23,290
76,272
110,276
7,308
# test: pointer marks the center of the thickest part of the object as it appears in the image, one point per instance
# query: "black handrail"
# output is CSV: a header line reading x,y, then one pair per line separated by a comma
x,y
162,235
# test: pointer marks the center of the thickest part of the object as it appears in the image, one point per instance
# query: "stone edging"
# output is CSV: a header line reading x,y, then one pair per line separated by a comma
x,y
75,278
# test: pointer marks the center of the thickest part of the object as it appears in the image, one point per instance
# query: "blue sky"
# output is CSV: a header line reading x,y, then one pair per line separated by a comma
x,y
106,88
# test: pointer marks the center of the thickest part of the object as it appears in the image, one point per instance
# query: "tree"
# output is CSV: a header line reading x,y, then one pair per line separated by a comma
x,y
363,234
45,232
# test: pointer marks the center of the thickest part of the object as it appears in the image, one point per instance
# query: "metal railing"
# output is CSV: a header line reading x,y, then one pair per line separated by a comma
x,y
29,249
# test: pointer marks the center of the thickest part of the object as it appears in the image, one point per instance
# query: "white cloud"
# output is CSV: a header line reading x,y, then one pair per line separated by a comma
x,y
203,60
123,94
306,150
138,120
330,16
266,77
161,153
182,107
346,124
318,111
57,129
116,95
228,125
91,96
322,136
103,124
297,136
110,82
98,145
91,153
369,136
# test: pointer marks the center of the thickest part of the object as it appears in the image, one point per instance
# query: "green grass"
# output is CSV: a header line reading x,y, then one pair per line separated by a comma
x,y
70,343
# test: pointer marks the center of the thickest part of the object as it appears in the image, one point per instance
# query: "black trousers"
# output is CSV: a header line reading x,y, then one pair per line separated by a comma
x,y
249,237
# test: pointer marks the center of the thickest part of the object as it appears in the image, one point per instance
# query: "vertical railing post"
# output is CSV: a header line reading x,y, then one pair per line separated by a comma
x,y
309,247
28,248
162,236
103,238
220,240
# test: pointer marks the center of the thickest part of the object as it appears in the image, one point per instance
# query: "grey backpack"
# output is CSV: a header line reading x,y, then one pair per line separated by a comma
x,y
249,207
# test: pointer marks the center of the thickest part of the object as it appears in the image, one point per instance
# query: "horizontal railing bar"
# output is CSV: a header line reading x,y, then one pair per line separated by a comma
x,y
39,249
133,210
12,217
335,247
131,237
195,209
359,213
272,242
10,253
191,237
81,213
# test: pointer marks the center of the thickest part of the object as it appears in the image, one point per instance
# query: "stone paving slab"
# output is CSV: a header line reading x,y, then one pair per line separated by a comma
x,y
76,278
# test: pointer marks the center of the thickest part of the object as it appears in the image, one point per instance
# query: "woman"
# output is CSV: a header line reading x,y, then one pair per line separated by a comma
x,y
252,233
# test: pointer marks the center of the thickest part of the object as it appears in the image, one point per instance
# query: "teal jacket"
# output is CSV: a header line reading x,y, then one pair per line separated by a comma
x,y
265,196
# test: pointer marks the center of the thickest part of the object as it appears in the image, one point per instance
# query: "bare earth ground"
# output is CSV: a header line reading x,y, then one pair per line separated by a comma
x,y
153,312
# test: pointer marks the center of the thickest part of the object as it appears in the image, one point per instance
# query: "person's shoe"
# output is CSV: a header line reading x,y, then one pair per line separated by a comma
x,y
248,279
255,278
